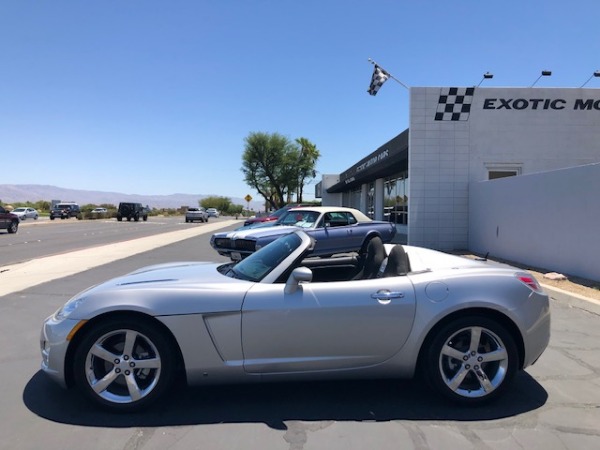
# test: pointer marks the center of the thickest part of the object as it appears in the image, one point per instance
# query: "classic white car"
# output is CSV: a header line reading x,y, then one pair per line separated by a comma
x,y
335,229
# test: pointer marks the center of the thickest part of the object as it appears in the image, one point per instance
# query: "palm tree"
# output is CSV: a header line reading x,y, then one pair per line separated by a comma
x,y
306,167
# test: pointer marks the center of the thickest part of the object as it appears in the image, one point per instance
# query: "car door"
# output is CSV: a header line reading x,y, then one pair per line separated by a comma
x,y
336,232
325,325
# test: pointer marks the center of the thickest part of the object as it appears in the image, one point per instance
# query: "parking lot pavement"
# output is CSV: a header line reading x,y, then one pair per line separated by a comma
x,y
554,405
573,299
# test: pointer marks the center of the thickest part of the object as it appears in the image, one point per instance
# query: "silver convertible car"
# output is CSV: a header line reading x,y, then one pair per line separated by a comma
x,y
395,311
335,230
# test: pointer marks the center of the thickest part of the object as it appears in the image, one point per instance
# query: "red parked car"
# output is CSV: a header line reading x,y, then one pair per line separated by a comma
x,y
271,217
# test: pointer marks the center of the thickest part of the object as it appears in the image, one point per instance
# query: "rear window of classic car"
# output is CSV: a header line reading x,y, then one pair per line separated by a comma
x,y
305,219
339,219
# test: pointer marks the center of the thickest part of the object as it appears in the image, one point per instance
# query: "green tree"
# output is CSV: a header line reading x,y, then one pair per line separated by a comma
x,y
234,210
276,167
307,162
220,203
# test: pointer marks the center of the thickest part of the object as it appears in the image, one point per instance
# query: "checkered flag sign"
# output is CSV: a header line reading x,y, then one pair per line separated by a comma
x,y
380,76
454,104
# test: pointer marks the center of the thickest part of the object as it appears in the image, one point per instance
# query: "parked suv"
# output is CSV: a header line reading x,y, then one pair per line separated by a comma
x,y
65,211
133,211
193,214
8,221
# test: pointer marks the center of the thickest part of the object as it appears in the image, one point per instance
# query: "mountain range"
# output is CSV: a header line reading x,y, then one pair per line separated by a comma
x,y
12,193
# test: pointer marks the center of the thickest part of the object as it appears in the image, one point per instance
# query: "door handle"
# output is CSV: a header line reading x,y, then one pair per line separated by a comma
x,y
386,296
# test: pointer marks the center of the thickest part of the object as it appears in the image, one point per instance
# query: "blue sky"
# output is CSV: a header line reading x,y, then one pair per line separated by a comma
x,y
156,97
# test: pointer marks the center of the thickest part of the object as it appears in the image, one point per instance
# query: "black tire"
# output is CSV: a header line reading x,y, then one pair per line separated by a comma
x,y
145,218
119,218
51,217
13,227
100,361
471,360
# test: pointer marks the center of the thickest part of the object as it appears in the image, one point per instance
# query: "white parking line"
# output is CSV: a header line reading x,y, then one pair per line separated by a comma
x,y
17,277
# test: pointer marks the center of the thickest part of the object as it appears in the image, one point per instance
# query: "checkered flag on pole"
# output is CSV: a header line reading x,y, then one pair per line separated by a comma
x,y
380,76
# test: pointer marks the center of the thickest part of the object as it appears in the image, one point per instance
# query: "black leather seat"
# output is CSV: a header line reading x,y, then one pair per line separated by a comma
x,y
371,261
397,263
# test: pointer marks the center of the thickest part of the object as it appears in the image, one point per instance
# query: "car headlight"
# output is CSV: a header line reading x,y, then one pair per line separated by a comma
x,y
68,308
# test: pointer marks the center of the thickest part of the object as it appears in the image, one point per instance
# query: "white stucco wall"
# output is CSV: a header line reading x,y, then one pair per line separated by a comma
x,y
549,220
528,129
327,181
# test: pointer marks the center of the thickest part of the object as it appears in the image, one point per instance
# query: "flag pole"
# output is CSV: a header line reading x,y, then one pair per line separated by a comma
x,y
391,76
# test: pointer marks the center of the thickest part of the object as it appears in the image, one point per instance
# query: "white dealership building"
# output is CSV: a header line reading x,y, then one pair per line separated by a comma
x,y
510,171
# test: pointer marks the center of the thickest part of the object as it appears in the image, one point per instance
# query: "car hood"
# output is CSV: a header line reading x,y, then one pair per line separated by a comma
x,y
165,289
257,232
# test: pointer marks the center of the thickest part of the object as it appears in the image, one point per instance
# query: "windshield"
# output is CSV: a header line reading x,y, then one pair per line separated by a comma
x,y
299,218
259,264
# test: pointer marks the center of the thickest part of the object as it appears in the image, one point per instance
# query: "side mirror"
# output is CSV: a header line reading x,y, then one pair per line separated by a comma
x,y
298,274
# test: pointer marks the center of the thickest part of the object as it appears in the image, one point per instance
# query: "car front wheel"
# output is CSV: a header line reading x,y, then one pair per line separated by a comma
x,y
13,227
124,364
471,360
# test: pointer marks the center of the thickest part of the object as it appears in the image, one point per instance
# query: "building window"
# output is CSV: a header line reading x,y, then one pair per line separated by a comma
x,y
351,199
371,201
395,202
355,201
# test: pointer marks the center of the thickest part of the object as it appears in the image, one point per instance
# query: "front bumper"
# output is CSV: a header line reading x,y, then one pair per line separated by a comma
x,y
54,346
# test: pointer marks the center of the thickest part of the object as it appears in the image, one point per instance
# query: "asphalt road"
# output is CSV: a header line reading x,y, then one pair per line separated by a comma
x,y
45,237
554,405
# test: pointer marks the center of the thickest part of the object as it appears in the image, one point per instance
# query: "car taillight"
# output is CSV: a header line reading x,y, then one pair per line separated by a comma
x,y
529,281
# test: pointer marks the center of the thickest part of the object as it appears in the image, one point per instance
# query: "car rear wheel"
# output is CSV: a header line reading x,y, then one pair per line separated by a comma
x,y
471,360
124,364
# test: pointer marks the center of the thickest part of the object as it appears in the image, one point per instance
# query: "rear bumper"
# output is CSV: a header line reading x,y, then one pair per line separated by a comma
x,y
537,334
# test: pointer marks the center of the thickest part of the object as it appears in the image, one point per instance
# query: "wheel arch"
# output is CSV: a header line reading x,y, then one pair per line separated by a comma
x,y
502,319
121,315
368,237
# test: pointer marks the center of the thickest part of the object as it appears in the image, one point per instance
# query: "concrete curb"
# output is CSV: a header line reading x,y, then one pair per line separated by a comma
x,y
575,300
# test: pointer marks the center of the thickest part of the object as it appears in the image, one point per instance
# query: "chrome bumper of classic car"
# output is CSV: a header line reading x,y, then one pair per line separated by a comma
x,y
234,247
